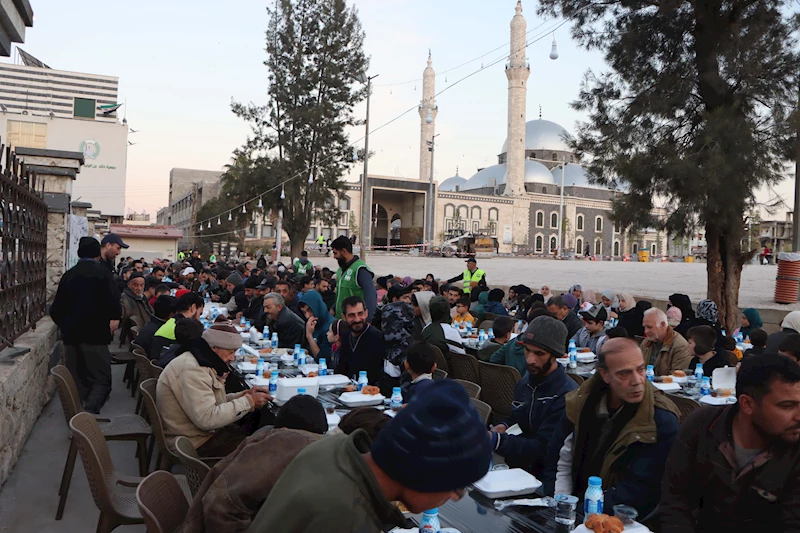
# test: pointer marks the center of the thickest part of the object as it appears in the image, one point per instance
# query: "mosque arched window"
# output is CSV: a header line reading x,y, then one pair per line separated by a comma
x,y
579,223
616,247
579,246
635,248
493,213
555,156
598,247
598,224
540,219
344,204
553,220
553,244
449,211
539,243
476,213
463,212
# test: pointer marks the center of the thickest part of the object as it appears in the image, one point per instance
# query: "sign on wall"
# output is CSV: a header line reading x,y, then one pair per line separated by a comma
x,y
78,227
508,236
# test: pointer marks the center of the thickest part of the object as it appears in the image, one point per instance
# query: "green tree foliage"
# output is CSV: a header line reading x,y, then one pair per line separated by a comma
x,y
314,56
695,113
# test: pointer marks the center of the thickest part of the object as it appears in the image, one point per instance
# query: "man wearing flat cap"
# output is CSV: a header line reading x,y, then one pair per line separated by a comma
x,y
87,310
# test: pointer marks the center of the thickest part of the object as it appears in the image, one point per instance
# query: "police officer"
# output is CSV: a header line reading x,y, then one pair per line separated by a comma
x,y
472,276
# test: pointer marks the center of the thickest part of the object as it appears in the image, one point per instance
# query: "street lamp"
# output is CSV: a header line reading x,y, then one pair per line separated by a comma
x,y
561,207
366,193
429,217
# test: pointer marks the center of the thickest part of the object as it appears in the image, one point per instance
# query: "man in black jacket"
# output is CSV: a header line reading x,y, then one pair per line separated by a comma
x,y
290,328
560,307
164,307
87,309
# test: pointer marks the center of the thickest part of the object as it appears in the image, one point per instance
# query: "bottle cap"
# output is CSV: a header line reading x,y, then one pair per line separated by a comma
x,y
435,510
260,360
273,373
595,481
362,373
322,361
650,367
395,390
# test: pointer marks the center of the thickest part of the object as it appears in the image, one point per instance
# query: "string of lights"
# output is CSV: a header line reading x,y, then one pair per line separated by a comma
x,y
207,223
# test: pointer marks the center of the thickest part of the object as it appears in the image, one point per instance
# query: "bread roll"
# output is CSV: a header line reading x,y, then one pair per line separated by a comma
x,y
595,522
612,524
679,373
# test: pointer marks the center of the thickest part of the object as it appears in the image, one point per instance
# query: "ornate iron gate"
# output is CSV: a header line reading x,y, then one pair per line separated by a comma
x,y
23,248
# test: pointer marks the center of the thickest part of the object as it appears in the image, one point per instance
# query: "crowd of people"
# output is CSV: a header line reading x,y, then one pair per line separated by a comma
x,y
729,467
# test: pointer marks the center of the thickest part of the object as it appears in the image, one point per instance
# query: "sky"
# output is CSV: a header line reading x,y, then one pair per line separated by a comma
x,y
182,62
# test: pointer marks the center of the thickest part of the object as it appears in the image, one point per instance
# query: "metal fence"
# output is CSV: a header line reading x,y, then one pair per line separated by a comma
x,y
23,248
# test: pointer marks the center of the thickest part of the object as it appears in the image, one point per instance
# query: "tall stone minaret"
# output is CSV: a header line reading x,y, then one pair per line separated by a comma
x,y
428,105
517,73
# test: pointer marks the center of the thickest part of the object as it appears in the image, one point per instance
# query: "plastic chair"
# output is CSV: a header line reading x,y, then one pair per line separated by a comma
x,y
473,389
137,321
196,469
167,458
497,388
143,372
155,370
465,367
119,427
117,507
685,405
576,378
441,362
162,503
486,324
439,374
484,409
489,316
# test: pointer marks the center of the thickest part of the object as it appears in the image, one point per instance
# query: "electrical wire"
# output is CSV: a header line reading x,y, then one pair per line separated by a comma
x,y
352,145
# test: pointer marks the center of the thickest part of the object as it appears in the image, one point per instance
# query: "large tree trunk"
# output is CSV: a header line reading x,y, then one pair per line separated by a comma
x,y
297,242
724,271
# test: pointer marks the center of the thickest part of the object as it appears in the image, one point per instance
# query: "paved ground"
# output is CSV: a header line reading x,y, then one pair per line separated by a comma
x,y
29,499
656,280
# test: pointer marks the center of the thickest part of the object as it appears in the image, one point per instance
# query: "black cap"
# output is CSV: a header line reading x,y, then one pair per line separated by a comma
x,y
472,260
113,238
135,274
597,313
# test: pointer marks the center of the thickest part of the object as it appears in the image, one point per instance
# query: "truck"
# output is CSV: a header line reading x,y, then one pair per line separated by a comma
x,y
458,243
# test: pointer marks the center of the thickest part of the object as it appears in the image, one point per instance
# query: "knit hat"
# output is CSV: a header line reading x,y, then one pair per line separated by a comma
x,y
251,283
235,278
437,443
223,336
88,248
547,333
135,274
303,412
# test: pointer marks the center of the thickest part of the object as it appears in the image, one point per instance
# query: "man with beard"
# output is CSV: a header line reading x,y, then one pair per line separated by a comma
x,y
736,468
111,246
291,329
134,303
353,278
619,427
539,397
363,347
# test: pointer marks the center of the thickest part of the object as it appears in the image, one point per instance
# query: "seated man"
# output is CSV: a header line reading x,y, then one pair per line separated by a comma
x,y
618,427
165,306
736,468
462,313
420,363
538,405
701,346
434,448
561,307
495,303
790,346
363,347
191,394
593,334
502,328
439,332
664,348
190,305
290,328
758,338
134,303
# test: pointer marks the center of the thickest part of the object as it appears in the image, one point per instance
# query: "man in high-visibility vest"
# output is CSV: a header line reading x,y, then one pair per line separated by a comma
x,y
302,266
472,276
353,278
321,242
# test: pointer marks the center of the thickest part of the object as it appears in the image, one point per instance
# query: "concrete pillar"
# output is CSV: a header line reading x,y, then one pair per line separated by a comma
x,y
59,169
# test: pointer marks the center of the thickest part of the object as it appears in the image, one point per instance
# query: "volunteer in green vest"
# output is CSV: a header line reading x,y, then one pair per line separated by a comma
x,y
181,255
302,266
213,258
354,277
472,276
320,242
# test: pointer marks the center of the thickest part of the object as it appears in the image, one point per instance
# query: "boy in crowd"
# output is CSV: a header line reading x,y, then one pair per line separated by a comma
x,y
758,338
502,328
420,364
462,312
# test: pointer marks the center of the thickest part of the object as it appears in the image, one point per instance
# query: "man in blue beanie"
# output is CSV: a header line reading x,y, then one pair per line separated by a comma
x,y
434,448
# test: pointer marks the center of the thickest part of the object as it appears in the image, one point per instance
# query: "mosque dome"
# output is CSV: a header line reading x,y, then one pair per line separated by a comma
x,y
451,183
542,135
482,177
536,172
575,175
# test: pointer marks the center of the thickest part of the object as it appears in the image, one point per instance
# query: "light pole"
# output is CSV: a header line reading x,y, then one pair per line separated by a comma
x,y
366,192
431,206
561,205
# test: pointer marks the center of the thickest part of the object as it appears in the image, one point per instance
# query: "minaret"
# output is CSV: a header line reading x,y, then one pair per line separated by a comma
x,y
517,72
427,106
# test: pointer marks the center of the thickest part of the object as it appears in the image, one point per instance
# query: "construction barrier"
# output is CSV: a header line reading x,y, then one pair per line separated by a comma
x,y
787,282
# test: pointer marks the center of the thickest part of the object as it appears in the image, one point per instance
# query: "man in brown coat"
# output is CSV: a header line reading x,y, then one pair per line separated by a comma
x,y
664,348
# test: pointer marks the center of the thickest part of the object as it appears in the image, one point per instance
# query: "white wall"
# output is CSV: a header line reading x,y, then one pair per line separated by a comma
x,y
101,181
151,248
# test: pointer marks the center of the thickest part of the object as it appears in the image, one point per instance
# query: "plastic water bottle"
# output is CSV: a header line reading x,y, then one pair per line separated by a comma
x,y
650,373
430,521
260,368
490,333
273,382
274,340
593,497
301,391
296,352
265,334
242,321
573,354
362,380
698,372
323,367
397,399
481,336
739,337
469,328
705,388
723,332
301,357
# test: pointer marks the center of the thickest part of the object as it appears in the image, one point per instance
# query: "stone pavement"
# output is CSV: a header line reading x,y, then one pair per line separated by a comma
x,y
29,499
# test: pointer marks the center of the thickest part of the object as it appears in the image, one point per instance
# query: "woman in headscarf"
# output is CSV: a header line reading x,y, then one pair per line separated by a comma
x,y
545,292
682,302
609,300
421,301
751,319
482,298
674,316
629,315
382,289
707,315
577,291
789,326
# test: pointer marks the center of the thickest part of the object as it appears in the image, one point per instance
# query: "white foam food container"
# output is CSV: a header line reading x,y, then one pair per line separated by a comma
x,y
287,387
305,369
667,387
719,400
586,357
333,380
724,378
358,399
505,483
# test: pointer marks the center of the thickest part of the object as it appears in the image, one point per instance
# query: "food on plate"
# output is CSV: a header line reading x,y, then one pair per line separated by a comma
x,y
721,393
313,374
265,350
602,523
371,390
400,505
667,379
350,388
679,373
254,360
584,350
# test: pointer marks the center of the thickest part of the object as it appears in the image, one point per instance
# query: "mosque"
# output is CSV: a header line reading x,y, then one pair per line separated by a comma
x,y
517,200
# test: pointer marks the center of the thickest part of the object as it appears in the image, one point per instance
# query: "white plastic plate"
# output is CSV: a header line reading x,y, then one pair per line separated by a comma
x,y
505,483
357,399
667,387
